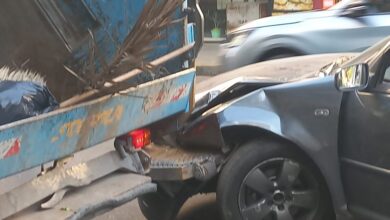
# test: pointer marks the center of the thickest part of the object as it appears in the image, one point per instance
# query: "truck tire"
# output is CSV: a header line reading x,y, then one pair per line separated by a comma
x,y
270,181
160,206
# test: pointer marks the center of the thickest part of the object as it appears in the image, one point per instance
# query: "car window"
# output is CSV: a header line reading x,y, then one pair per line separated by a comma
x,y
385,68
387,75
372,55
379,6
374,6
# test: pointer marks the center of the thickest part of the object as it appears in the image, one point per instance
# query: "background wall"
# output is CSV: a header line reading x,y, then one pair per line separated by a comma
x,y
237,12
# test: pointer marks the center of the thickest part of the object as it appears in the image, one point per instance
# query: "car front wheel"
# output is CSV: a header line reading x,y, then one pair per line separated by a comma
x,y
270,181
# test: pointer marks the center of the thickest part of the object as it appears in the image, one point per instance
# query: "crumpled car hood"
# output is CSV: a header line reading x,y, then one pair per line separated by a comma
x,y
269,73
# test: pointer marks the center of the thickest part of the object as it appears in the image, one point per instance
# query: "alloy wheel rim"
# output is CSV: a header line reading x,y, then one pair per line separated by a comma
x,y
279,189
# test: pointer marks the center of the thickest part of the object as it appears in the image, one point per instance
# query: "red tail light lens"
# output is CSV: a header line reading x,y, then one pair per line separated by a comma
x,y
140,138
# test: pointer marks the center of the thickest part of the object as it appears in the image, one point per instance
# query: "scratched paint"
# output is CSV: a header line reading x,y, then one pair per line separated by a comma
x,y
9,147
63,132
165,96
103,118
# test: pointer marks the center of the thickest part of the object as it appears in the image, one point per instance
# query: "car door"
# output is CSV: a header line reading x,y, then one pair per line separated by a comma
x,y
377,22
350,29
365,146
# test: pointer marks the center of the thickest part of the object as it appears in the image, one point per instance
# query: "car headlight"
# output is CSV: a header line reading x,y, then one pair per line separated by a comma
x,y
238,39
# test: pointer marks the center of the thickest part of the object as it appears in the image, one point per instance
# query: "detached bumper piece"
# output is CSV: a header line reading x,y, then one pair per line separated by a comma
x,y
175,164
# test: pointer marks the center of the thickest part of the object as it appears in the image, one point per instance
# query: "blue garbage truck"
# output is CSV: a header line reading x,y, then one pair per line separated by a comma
x,y
114,67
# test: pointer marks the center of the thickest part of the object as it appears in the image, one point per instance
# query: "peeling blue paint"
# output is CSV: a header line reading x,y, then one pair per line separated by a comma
x,y
63,132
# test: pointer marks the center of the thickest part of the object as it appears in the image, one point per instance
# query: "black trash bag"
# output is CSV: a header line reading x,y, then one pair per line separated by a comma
x,y
24,99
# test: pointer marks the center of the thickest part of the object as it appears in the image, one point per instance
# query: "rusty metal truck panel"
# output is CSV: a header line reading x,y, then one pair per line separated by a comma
x,y
32,142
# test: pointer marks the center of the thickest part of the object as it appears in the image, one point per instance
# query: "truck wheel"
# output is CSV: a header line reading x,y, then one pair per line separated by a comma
x,y
160,206
270,181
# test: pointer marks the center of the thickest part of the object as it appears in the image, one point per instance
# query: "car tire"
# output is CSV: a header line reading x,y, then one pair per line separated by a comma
x,y
160,206
271,181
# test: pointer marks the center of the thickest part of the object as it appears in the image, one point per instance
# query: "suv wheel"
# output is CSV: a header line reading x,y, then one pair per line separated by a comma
x,y
270,181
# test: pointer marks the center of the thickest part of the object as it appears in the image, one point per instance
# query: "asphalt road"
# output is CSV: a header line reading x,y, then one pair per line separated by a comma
x,y
199,207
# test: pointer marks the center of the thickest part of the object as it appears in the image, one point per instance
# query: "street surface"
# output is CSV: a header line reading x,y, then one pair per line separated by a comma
x,y
196,208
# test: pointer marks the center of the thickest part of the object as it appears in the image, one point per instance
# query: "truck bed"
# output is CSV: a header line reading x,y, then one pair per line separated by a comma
x,y
35,141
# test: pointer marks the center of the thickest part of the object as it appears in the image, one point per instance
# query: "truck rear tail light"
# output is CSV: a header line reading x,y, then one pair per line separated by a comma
x,y
140,138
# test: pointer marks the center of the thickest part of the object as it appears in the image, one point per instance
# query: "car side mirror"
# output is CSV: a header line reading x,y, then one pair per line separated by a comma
x,y
355,10
353,77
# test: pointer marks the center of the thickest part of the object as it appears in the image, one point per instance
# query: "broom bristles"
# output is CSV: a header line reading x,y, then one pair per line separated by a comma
x,y
155,17
6,74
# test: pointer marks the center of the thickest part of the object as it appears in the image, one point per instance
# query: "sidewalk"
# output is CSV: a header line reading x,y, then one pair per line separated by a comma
x,y
207,62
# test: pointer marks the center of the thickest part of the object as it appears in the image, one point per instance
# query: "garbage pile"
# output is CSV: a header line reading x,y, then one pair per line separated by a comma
x,y
23,94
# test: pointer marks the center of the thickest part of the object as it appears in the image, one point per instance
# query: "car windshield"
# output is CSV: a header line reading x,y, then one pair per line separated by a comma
x,y
372,55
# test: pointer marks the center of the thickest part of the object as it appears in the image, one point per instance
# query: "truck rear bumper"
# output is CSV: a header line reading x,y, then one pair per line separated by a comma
x,y
52,193
102,196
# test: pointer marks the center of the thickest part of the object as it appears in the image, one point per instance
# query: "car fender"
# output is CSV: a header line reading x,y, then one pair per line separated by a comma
x,y
279,44
305,113
264,40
